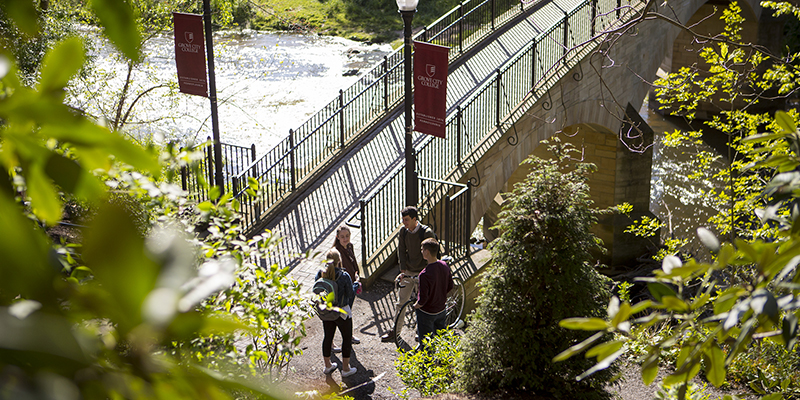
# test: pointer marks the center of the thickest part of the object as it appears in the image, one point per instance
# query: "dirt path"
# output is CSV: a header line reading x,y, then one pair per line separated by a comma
x,y
375,360
372,312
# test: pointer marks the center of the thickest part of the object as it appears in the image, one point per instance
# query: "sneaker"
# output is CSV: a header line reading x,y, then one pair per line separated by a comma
x,y
329,370
337,349
356,340
388,337
349,372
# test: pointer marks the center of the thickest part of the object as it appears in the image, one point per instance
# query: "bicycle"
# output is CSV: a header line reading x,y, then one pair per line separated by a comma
x,y
454,306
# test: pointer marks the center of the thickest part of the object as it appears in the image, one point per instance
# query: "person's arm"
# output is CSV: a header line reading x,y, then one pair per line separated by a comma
x,y
402,254
348,288
424,289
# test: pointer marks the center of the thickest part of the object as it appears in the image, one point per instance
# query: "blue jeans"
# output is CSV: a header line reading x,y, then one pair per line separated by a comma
x,y
428,324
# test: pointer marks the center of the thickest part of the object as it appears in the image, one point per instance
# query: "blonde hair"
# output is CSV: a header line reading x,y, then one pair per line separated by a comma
x,y
333,260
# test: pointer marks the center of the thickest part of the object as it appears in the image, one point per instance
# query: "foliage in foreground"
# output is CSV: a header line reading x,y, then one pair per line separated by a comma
x,y
718,321
431,371
732,317
146,305
539,275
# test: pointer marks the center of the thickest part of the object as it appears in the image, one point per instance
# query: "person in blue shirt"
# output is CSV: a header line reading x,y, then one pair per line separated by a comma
x,y
344,289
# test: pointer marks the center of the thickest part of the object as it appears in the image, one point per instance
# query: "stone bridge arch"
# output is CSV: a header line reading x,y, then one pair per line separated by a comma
x,y
593,101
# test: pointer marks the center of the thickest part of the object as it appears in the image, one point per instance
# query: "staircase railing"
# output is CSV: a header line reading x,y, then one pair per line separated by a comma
x,y
234,159
477,119
281,170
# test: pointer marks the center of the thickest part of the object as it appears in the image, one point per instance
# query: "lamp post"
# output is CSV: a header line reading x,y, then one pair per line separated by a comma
x,y
407,9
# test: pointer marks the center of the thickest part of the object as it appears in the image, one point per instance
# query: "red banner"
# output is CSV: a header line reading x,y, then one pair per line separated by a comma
x,y
190,54
430,88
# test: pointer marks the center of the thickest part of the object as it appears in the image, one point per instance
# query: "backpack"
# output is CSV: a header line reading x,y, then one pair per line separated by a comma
x,y
324,288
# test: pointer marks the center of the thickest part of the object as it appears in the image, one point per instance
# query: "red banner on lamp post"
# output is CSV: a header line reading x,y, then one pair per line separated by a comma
x,y
430,88
190,54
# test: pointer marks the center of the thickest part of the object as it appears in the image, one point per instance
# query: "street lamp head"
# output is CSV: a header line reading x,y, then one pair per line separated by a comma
x,y
407,5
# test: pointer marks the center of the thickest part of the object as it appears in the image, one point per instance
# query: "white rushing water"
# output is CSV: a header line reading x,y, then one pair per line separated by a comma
x,y
267,83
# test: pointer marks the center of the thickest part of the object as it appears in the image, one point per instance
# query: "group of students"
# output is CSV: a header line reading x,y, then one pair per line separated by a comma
x,y
420,268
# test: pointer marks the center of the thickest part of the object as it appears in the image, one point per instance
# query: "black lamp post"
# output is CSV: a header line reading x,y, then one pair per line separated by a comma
x,y
407,9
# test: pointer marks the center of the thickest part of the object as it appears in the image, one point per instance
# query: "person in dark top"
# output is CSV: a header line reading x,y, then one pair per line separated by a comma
x,y
411,262
349,262
435,281
344,290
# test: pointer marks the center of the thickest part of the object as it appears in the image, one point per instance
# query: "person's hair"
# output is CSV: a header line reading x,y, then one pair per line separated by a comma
x,y
432,246
332,260
339,229
410,211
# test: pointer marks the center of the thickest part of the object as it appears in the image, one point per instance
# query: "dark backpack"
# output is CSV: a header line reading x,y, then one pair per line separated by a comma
x,y
324,288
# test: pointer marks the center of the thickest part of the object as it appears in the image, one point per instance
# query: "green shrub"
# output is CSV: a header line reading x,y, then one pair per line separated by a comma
x,y
539,274
431,371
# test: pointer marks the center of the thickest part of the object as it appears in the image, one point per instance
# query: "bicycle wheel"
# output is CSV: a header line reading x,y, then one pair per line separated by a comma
x,y
455,303
405,329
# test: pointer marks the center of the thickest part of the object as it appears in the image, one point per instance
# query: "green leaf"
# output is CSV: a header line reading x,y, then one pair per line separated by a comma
x,y
72,178
80,273
675,304
621,315
715,365
763,302
44,197
214,193
575,349
650,367
785,121
603,364
641,306
790,331
119,22
586,324
24,15
205,206
603,350
659,290
60,64
114,250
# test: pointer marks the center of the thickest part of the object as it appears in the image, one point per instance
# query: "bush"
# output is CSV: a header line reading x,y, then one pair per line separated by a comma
x,y
431,371
540,274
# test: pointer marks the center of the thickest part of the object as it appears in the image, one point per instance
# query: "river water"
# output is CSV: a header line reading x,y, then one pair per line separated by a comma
x,y
267,83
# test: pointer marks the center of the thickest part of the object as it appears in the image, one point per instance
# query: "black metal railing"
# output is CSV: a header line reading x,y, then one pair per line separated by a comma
x,y
234,159
473,123
282,168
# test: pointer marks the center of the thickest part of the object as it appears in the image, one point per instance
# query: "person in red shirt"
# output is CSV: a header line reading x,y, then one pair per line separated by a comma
x,y
435,281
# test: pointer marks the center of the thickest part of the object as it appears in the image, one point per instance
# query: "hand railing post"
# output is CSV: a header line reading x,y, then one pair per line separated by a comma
x,y
461,27
362,205
184,175
497,97
341,118
253,153
291,159
566,36
385,83
493,12
458,136
210,162
593,17
533,67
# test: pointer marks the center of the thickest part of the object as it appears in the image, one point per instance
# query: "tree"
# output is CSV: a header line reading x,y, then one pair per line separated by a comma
x,y
540,273
745,295
140,305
